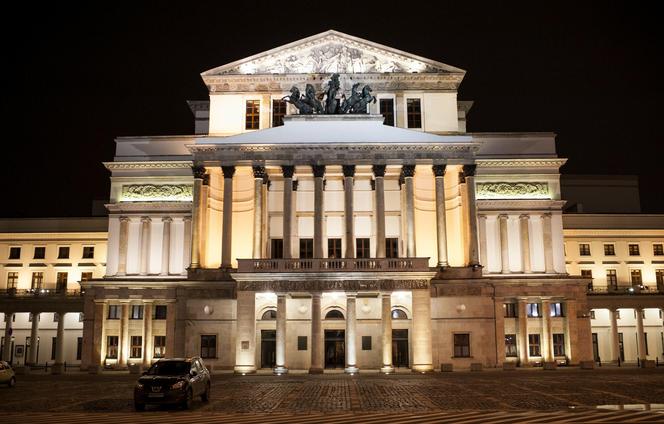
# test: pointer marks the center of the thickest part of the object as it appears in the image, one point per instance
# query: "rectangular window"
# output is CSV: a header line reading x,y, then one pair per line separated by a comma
x,y
533,310
208,346
276,248
584,249
362,248
586,273
611,279
253,115
40,253
306,248
659,277
510,310
558,344
12,280
592,314
61,281
159,312
334,248
414,109
510,346
14,253
634,250
366,342
54,344
63,252
278,112
136,312
556,309
636,277
462,345
391,247
609,250
86,276
534,345
387,110
301,342
159,347
37,280
88,252
658,249
113,311
136,347
112,347
79,348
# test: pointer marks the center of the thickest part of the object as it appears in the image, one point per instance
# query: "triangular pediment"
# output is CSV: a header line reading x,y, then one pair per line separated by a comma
x,y
329,52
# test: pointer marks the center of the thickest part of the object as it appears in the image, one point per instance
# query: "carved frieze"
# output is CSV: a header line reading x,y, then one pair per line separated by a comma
x,y
335,285
512,190
157,193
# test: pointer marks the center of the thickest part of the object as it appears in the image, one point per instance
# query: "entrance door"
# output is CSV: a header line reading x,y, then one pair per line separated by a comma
x,y
268,348
400,348
335,348
595,347
621,347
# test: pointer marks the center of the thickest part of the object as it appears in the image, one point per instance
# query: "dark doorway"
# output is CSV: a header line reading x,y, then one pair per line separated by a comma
x,y
335,348
595,347
268,348
400,348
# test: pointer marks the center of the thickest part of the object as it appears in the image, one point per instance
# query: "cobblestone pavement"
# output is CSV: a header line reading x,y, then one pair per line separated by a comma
x,y
534,390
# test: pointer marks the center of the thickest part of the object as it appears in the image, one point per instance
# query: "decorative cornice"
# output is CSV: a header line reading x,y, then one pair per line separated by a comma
x,y
512,190
296,148
322,285
155,192
137,207
112,166
520,163
520,205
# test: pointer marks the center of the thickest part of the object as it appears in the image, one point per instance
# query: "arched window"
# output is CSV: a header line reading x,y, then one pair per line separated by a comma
x,y
334,314
399,314
269,314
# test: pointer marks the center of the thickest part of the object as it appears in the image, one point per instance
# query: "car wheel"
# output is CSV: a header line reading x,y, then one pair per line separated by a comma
x,y
205,397
12,382
139,406
186,403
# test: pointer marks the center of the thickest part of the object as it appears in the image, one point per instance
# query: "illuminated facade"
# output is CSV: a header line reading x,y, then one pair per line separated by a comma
x,y
393,239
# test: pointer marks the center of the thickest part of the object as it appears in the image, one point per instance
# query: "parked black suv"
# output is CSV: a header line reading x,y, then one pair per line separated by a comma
x,y
173,381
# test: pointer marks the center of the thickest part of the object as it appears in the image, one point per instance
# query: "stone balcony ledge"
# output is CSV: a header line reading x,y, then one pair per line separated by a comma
x,y
333,265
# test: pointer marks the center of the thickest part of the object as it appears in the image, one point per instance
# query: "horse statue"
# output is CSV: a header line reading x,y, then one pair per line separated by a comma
x,y
331,102
310,99
352,100
295,98
361,105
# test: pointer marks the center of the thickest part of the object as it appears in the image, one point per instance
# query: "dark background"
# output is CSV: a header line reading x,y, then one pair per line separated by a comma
x,y
76,76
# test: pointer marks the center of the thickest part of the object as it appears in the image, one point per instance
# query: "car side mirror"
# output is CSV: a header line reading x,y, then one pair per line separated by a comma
x,y
193,373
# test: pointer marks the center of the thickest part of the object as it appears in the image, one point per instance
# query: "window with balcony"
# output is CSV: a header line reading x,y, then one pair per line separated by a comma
x,y
86,276
658,249
634,250
611,279
278,112
61,281
609,250
659,278
362,248
391,247
306,248
635,274
252,115
276,248
584,249
387,110
37,280
334,248
414,111
12,280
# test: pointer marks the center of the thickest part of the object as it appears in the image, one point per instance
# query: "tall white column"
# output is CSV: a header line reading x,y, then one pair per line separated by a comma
x,y
59,365
386,318
227,217
548,244
145,244
122,246
422,353
615,340
288,171
547,342
473,250
483,244
34,335
319,173
351,324
280,367
522,332
166,246
205,213
7,347
123,344
259,177
186,256
441,226
525,242
196,227
245,347
408,172
640,335
317,338
504,244
379,175
148,348
349,218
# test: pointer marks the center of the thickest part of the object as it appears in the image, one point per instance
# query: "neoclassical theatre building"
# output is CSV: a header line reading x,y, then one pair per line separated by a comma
x,y
353,225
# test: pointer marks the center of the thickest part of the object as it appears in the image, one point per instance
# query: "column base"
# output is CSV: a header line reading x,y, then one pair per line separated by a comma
x,y
244,369
58,369
351,369
388,369
422,369
316,370
280,370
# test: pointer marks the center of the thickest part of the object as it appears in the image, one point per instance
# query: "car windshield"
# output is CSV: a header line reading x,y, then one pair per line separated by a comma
x,y
169,368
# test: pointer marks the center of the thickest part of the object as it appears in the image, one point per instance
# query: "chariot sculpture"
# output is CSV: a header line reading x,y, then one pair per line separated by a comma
x,y
328,102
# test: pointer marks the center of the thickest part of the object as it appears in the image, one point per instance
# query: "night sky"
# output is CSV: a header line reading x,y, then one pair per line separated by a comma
x,y
77,76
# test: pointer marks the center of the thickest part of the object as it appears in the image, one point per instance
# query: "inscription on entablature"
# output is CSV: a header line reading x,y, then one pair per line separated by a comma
x,y
339,285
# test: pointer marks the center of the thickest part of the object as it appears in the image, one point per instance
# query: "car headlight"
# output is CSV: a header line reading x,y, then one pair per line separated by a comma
x,y
139,386
178,385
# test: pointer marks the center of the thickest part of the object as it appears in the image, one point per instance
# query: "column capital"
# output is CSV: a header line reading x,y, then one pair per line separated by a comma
x,y
228,171
524,217
546,215
259,172
348,170
438,170
318,170
198,171
124,219
469,170
482,216
316,293
287,171
379,170
503,216
145,219
186,218
167,219
408,171
386,294
351,295
206,179
462,178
